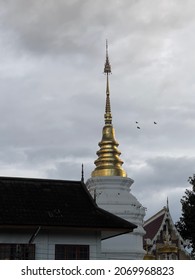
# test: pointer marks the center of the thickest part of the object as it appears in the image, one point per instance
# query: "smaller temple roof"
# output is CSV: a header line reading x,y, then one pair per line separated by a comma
x,y
162,234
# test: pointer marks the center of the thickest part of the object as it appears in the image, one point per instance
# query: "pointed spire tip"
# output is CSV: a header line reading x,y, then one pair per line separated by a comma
x,y
107,66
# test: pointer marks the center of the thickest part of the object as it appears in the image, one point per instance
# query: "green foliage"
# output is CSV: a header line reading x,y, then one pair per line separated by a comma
x,y
186,223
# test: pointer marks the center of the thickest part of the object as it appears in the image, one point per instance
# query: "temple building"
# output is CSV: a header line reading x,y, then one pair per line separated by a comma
x,y
162,240
44,219
110,186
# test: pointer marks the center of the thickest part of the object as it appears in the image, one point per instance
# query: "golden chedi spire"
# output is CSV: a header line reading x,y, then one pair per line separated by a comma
x,y
108,162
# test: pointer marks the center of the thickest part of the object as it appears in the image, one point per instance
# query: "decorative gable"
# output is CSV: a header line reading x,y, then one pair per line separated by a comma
x,y
162,240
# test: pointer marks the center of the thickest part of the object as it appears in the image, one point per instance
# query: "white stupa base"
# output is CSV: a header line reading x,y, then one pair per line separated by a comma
x,y
113,194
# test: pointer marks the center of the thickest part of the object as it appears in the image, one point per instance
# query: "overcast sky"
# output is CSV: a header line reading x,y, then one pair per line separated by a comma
x,y
52,91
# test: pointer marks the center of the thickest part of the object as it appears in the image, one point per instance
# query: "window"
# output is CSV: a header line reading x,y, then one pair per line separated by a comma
x,y
72,252
17,251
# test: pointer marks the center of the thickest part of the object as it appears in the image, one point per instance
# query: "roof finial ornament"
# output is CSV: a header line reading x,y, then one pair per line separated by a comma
x,y
167,203
82,173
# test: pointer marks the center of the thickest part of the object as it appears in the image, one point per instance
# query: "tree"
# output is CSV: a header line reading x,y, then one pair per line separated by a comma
x,y
186,224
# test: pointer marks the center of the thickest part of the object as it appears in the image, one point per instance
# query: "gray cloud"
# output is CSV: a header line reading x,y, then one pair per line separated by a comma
x,y
159,178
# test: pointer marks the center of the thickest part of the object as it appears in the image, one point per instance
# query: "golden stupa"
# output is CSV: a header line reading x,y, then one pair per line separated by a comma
x,y
108,162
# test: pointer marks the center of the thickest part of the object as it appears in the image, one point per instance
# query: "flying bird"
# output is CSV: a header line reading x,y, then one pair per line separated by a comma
x,y
138,127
